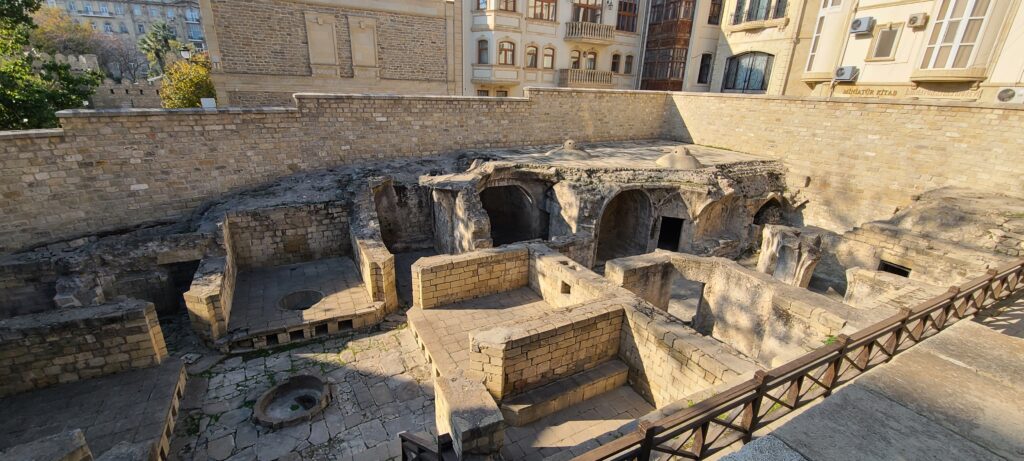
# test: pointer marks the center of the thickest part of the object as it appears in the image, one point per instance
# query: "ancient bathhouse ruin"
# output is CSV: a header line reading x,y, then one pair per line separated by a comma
x,y
575,273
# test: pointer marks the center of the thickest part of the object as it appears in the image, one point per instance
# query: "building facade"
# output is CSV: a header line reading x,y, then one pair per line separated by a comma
x,y
131,19
969,50
263,51
513,44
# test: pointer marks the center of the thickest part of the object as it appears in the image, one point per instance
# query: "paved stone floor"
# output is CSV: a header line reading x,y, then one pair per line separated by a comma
x,y
381,386
255,306
445,330
954,396
130,406
577,429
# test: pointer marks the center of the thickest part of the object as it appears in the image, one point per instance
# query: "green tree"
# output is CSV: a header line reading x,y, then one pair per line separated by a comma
x,y
158,44
29,99
56,32
186,82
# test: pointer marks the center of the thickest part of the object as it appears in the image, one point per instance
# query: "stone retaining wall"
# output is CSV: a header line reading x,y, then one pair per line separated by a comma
x,y
41,350
287,234
444,279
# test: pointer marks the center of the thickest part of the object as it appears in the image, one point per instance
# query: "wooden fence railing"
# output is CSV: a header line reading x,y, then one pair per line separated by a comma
x,y
735,414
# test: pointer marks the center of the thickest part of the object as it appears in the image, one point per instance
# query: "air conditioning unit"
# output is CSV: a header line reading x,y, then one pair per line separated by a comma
x,y
846,74
917,21
862,25
1010,95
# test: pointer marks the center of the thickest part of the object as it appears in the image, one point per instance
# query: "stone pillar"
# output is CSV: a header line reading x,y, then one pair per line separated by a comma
x,y
787,256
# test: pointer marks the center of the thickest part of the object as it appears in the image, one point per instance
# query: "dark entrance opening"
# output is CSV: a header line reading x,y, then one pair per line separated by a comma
x,y
514,217
625,226
886,266
671,231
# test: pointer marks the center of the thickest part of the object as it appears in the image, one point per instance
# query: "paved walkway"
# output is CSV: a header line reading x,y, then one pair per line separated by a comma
x,y
955,396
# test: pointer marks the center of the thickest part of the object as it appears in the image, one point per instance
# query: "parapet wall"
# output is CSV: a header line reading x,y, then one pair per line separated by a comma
x,y
864,158
287,234
444,279
106,170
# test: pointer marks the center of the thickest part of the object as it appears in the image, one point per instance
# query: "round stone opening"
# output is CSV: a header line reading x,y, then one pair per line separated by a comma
x,y
297,399
300,300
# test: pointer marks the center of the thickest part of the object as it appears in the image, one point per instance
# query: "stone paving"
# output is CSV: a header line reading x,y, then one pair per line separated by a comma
x,y
255,306
381,386
577,429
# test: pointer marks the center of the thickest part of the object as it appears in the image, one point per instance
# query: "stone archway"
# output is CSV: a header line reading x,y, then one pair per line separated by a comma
x,y
770,213
625,226
513,214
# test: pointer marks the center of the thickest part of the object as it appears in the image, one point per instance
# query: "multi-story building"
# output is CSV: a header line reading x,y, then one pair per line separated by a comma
x,y
131,19
264,51
512,44
948,49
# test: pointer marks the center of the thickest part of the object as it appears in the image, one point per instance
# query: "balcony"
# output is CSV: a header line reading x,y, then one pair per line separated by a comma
x,y
584,78
589,32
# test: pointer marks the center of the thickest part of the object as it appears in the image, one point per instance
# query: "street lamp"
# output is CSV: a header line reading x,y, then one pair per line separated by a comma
x,y
186,53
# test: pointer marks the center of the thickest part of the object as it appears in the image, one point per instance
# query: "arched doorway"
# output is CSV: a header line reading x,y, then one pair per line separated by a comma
x,y
770,213
514,217
625,226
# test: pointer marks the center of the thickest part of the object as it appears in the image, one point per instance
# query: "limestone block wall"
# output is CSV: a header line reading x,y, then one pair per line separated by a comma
x,y
864,158
534,352
40,350
377,268
446,279
110,95
464,409
209,298
561,281
106,170
288,234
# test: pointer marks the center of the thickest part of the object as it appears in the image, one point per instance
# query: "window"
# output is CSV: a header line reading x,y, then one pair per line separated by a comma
x,y
506,53
88,8
704,71
780,9
137,10
616,61
886,266
507,5
531,57
108,28
482,52
814,41
955,34
549,58
170,13
192,15
665,63
501,93
587,11
574,59
628,68
154,11
748,72
670,10
142,28
71,6
541,9
591,59
195,31
883,42
627,15
93,25
758,10
483,93
119,9
715,12
104,9
481,4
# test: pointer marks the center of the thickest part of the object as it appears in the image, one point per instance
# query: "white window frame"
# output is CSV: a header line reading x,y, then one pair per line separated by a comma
x,y
958,38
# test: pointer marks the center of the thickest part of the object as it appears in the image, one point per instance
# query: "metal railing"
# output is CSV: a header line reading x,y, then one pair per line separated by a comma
x,y
589,31
734,415
584,78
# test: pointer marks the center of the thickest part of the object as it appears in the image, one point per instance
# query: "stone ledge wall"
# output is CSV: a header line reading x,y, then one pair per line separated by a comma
x,y
41,350
464,409
208,299
561,281
288,234
107,170
532,353
443,279
864,158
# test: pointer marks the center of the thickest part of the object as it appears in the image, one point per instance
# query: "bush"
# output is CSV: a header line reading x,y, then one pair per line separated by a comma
x,y
186,82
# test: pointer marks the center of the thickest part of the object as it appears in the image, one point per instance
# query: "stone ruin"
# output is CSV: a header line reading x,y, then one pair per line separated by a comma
x,y
538,284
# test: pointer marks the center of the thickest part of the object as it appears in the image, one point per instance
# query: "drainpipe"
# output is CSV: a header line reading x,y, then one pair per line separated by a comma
x,y
792,47
643,48
842,52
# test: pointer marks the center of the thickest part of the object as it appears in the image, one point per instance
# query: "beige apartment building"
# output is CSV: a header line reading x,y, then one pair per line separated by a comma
x,y
948,49
263,51
513,44
131,19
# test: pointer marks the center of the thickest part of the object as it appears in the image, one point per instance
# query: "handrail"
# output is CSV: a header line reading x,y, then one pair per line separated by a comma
x,y
735,414
567,77
589,30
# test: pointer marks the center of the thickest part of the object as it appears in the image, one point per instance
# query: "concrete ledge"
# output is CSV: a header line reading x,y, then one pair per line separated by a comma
x,y
561,394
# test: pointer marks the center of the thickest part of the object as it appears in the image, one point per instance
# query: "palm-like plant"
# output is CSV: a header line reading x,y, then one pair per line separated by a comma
x,y
156,44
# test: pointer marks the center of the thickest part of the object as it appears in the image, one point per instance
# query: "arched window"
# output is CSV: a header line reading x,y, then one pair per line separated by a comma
x,y
591,59
748,72
549,58
531,57
616,61
482,52
506,53
574,59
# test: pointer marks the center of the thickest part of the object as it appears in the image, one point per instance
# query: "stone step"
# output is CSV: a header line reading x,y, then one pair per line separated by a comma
x,y
537,403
